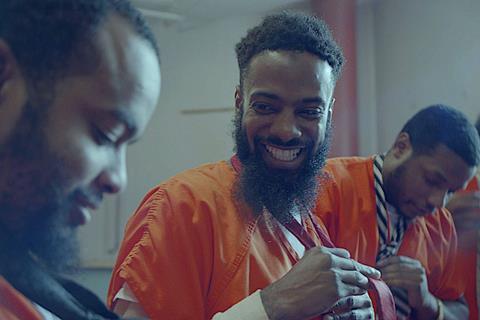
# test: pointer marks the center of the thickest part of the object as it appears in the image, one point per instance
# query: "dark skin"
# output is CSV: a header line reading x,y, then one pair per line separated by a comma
x,y
465,209
423,186
323,272
288,95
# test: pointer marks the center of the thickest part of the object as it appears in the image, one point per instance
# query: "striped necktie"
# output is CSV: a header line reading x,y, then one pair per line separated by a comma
x,y
390,237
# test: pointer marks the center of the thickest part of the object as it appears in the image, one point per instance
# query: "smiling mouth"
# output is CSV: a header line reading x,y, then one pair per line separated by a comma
x,y
283,154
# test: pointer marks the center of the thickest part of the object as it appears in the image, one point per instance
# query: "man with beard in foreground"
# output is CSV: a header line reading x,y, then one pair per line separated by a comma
x,y
387,210
213,242
79,80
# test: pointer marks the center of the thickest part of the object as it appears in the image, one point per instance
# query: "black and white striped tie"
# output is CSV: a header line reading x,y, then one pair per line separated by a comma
x,y
389,246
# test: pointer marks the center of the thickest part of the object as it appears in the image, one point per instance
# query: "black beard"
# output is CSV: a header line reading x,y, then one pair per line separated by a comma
x,y
393,186
279,191
33,205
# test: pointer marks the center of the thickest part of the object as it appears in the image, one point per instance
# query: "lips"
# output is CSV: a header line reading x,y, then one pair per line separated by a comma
x,y
282,157
80,213
283,154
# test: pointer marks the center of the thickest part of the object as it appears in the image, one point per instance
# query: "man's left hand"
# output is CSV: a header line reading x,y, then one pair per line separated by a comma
x,y
409,274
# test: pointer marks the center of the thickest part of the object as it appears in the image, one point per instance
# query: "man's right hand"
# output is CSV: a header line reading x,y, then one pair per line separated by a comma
x,y
324,281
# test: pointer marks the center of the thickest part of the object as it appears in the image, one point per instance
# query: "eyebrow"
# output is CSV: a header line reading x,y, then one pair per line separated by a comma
x,y
437,175
272,96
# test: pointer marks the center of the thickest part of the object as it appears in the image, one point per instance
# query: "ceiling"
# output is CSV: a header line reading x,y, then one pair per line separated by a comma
x,y
205,10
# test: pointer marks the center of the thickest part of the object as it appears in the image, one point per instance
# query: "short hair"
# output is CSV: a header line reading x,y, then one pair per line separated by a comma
x,y
441,124
44,35
290,31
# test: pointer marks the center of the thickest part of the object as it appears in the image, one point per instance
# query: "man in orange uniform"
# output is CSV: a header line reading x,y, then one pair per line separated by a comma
x,y
465,209
215,241
79,80
387,210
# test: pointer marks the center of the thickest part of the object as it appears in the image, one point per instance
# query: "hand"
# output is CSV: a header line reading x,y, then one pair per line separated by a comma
x,y
359,307
465,209
322,281
409,274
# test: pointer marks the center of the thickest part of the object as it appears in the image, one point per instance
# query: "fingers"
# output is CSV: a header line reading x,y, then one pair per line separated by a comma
x,y
367,270
355,278
352,302
397,260
344,262
356,307
351,315
337,252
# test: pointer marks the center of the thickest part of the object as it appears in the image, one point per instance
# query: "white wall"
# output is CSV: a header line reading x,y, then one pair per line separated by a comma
x,y
424,52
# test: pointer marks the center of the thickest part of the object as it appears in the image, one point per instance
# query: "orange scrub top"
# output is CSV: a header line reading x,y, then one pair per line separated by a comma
x,y
190,251
467,262
14,305
347,206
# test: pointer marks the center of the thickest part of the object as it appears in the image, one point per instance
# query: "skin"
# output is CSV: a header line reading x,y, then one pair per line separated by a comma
x,y
425,183
427,179
465,209
288,96
88,125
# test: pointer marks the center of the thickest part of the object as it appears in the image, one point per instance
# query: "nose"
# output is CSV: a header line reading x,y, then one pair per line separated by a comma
x,y
285,126
113,178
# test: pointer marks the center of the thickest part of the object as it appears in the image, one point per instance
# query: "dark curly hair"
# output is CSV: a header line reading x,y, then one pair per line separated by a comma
x,y
46,35
441,124
291,31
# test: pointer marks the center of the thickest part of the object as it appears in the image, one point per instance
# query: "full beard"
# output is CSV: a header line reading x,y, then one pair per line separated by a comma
x,y
279,191
393,187
33,204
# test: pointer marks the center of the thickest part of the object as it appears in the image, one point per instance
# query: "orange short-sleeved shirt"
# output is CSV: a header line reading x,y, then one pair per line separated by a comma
x,y
14,305
467,263
190,251
347,206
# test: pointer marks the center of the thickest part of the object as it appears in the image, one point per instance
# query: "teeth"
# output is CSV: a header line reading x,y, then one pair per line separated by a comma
x,y
283,155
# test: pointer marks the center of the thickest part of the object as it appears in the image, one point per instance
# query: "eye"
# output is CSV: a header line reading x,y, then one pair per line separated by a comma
x,y
102,138
312,113
263,108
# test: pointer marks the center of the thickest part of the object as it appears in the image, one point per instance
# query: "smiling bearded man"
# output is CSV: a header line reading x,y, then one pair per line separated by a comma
x,y
280,191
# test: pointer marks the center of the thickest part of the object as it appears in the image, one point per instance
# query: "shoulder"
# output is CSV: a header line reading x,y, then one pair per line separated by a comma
x,y
440,224
14,305
346,173
348,167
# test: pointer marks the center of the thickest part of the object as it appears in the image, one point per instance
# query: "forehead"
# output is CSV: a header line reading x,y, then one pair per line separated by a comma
x,y
292,72
126,78
445,164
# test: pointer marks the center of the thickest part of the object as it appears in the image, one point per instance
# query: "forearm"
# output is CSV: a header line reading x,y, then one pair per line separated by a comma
x,y
457,309
451,310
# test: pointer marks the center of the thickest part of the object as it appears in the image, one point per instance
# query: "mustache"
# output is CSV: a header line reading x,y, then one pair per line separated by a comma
x,y
88,196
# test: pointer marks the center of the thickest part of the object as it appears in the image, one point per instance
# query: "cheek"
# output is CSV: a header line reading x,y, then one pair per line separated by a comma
x,y
316,133
252,128
80,160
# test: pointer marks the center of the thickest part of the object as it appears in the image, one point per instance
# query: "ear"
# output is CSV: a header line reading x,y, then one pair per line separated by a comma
x,y
330,110
238,99
402,145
